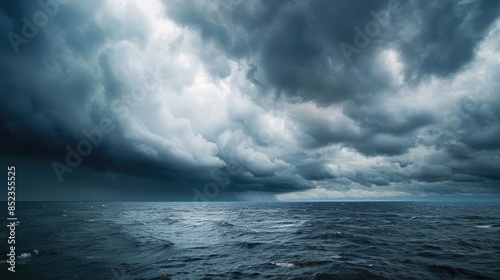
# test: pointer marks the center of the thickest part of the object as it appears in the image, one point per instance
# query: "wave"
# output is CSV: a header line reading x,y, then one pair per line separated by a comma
x,y
455,272
358,274
248,245
473,217
157,244
434,247
224,224
327,235
290,223
283,264
169,220
27,254
253,242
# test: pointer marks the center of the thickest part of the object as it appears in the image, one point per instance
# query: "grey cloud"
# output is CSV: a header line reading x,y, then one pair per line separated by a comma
x,y
277,99
294,43
446,35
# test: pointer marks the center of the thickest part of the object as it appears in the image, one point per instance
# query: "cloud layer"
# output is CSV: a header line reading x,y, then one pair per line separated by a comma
x,y
297,99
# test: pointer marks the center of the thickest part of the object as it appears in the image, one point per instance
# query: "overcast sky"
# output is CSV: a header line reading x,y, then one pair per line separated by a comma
x,y
183,100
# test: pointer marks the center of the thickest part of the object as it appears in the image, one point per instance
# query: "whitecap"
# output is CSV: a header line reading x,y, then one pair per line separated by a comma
x,y
24,256
283,264
281,224
483,226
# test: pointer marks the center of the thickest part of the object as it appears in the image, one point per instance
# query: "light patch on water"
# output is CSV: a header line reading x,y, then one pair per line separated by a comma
x,y
283,264
285,224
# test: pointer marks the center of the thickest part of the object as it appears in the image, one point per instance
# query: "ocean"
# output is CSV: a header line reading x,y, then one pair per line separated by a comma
x,y
275,240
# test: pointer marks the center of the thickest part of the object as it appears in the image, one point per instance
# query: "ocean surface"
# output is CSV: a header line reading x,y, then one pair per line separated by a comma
x,y
323,240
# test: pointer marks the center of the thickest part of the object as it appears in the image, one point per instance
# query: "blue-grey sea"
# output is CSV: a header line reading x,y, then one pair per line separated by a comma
x,y
293,240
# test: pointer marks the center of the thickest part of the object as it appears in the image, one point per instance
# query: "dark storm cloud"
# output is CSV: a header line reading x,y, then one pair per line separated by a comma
x,y
292,43
295,44
35,101
49,88
376,132
486,139
319,104
448,33
64,82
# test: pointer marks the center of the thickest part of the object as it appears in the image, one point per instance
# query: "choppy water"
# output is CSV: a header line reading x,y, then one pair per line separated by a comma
x,y
331,240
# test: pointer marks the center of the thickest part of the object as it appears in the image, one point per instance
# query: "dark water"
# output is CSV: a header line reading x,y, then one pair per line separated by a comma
x,y
365,240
